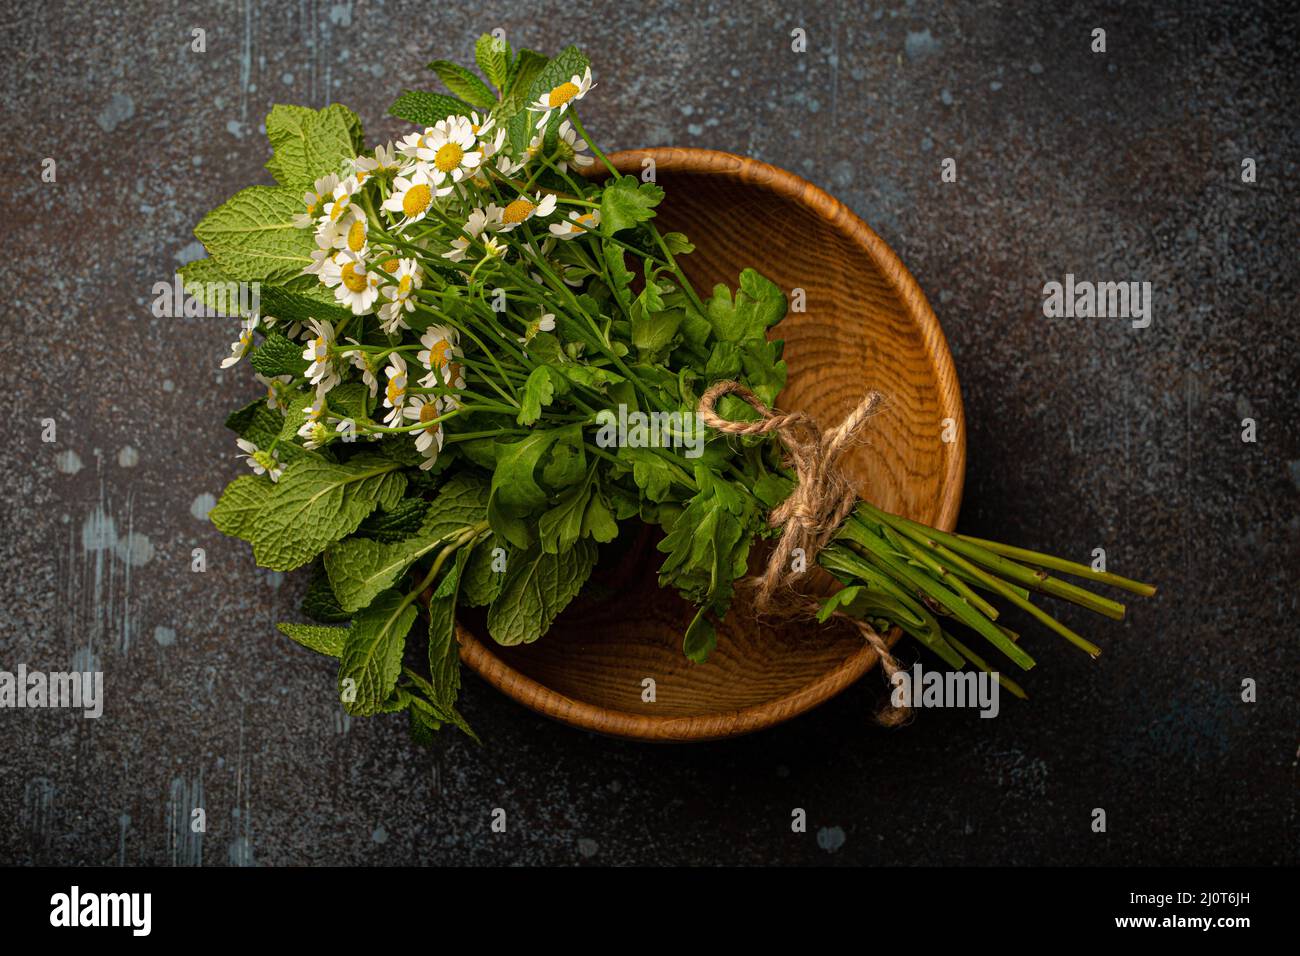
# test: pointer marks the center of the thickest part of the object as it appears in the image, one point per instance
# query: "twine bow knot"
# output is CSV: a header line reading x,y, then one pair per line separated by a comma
x,y
822,497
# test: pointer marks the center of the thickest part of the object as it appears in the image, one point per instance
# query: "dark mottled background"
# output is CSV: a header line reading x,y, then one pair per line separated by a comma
x,y
1083,434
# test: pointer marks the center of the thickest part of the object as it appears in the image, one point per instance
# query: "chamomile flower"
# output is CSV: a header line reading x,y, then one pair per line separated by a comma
x,y
354,285
262,462
363,362
324,260
544,323
569,149
321,372
314,198
428,440
355,236
480,126
340,200
401,295
489,148
278,392
451,150
383,162
312,428
479,219
507,166
523,209
241,346
395,391
413,195
438,349
580,223
559,97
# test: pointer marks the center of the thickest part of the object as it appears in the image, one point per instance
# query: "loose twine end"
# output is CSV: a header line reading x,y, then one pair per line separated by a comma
x,y
822,498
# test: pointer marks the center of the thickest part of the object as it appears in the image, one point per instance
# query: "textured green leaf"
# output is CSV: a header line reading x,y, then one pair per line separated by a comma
x,y
464,84
625,202
316,503
319,602
278,355
204,281
236,513
308,143
252,236
567,64
316,302
759,304
425,109
402,522
444,656
536,588
329,641
539,391
523,72
493,58
359,568
481,582
372,657
256,422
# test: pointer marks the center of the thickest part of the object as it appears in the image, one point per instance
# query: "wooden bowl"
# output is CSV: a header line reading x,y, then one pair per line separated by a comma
x,y
866,325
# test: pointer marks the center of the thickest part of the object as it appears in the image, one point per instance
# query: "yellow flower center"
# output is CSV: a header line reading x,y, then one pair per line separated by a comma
x,y
340,205
357,235
404,286
448,157
390,265
438,353
351,278
428,412
417,199
561,95
517,211
396,389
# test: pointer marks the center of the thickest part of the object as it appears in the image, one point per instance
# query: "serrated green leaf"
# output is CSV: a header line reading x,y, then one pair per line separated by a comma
x,y
319,602
203,281
759,304
317,503
252,236
539,391
371,660
256,422
523,72
626,201
329,641
481,581
278,355
402,522
464,84
444,656
316,302
236,513
308,143
537,587
425,109
493,58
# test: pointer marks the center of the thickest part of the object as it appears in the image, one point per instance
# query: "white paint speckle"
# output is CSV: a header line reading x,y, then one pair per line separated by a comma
x,y
202,505
169,385
165,636
135,549
587,847
98,531
380,835
68,462
128,457
830,839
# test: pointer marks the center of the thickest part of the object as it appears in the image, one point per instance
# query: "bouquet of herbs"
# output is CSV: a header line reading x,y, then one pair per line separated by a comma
x,y
481,364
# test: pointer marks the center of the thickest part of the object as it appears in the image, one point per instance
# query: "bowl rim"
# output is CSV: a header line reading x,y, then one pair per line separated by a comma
x,y
479,656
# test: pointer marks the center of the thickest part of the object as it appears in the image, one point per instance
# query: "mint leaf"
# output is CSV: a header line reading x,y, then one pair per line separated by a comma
x,y
626,202
308,143
444,656
536,588
464,84
256,422
359,568
204,281
523,72
700,638
402,522
278,355
425,109
323,640
371,660
252,235
319,602
481,582
236,513
316,302
316,503
567,64
493,57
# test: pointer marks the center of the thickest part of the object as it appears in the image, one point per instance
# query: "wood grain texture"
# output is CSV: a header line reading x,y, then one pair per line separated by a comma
x,y
866,325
